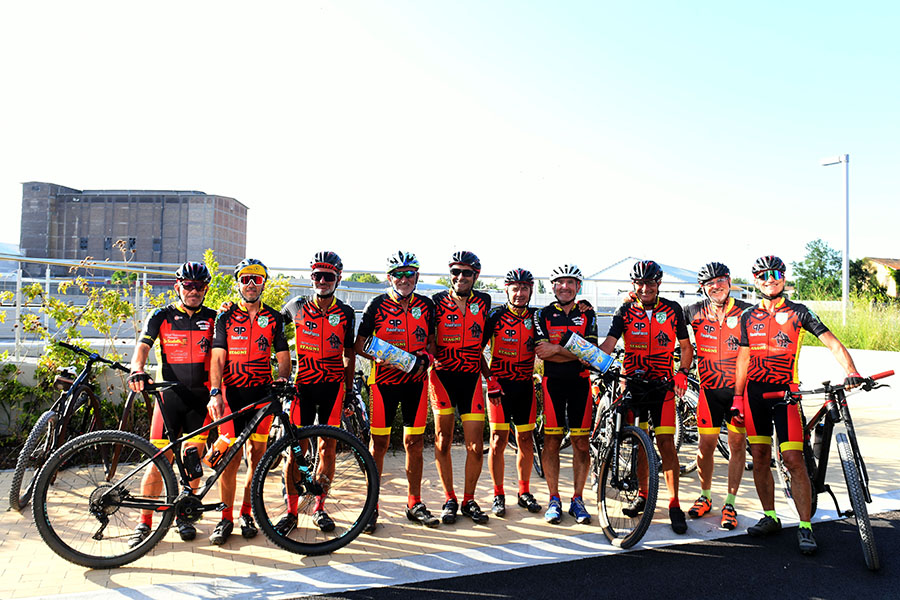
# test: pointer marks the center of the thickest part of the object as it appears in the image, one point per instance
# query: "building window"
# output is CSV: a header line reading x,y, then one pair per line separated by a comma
x,y
132,242
157,245
82,243
107,244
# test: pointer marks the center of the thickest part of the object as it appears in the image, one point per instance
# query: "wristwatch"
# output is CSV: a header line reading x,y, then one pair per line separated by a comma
x,y
213,392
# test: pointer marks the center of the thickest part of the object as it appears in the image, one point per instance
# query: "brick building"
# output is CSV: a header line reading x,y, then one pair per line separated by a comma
x,y
159,225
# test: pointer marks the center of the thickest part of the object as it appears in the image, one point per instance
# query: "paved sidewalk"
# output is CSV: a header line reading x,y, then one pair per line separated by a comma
x,y
401,551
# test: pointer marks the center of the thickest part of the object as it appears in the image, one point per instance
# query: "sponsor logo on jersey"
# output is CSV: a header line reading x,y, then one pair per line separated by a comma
x,y
781,318
203,325
473,308
661,317
731,322
416,312
528,324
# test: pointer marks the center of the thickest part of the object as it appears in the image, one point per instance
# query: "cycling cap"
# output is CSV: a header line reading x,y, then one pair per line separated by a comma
x,y
712,270
194,271
327,260
464,257
646,269
250,266
764,263
567,270
401,259
519,276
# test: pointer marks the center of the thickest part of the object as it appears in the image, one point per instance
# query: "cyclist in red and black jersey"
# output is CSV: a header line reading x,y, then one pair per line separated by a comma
x,y
184,330
323,327
455,381
246,334
405,319
566,388
771,334
716,325
510,329
651,326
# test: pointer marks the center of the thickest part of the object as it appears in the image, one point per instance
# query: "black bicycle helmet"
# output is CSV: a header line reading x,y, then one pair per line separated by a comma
x,y
401,259
646,269
712,270
519,276
566,270
764,263
193,271
326,259
464,257
250,266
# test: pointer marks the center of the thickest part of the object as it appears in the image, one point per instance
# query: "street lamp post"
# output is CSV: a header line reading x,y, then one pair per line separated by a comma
x,y
845,267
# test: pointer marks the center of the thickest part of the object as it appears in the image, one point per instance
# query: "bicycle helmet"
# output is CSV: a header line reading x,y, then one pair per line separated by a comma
x,y
764,263
464,257
401,259
712,270
566,270
250,266
194,271
519,276
327,260
646,269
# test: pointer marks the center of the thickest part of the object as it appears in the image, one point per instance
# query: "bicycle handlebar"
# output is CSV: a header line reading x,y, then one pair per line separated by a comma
x,y
94,356
823,390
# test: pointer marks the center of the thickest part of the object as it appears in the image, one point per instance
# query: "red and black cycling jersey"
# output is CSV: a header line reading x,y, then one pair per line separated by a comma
x,y
717,343
321,338
650,336
459,335
774,339
408,329
250,343
551,323
185,342
511,333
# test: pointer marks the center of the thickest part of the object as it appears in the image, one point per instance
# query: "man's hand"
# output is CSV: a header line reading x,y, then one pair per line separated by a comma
x,y
494,391
545,350
737,411
226,304
137,380
216,407
349,403
680,382
853,380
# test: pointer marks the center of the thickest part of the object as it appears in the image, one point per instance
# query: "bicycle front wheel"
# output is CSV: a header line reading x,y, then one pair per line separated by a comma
x,y
620,486
40,443
87,519
349,495
858,502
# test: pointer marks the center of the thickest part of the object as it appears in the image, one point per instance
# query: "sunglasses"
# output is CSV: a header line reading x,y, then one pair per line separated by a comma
x,y
327,277
193,286
462,272
401,274
254,279
770,274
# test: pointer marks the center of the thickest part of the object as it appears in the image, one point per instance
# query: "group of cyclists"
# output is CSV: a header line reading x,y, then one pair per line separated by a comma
x,y
222,363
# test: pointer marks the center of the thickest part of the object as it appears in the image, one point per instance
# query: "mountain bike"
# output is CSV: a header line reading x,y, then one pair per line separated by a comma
x,y
817,434
621,454
356,421
76,411
87,504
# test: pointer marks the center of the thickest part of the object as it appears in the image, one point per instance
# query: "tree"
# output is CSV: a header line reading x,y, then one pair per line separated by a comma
x,y
363,278
864,284
818,276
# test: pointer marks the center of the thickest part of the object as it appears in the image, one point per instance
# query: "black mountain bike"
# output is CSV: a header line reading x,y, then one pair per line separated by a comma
x,y
76,411
357,421
622,453
88,496
817,433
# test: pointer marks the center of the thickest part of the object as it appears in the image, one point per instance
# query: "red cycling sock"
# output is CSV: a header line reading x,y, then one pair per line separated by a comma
x,y
320,503
412,500
147,519
245,509
467,497
523,487
228,514
673,503
293,503
451,495
498,490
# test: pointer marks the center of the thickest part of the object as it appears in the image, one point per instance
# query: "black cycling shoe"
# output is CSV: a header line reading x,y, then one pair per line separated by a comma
x,y
499,506
248,527
323,521
448,512
420,514
635,508
527,501
140,533
372,525
186,530
286,525
676,518
222,532
473,511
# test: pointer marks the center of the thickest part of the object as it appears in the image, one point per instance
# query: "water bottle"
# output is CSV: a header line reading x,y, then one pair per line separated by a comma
x,y
217,451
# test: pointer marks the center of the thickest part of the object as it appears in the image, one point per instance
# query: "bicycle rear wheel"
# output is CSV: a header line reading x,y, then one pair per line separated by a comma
x,y
858,502
37,449
350,497
356,425
73,497
619,488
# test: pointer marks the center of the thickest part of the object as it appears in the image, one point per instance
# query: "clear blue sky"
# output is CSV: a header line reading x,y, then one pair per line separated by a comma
x,y
530,133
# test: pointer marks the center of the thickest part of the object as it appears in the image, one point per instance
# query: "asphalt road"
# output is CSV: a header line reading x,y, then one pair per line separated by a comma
x,y
730,568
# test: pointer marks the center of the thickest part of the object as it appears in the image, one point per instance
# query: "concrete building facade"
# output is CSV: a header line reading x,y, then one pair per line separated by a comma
x,y
153,225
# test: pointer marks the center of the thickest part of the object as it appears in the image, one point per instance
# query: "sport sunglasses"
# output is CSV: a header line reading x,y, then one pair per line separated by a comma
x,y
193,286
770,274
401,274
323,276
462,272
255,279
